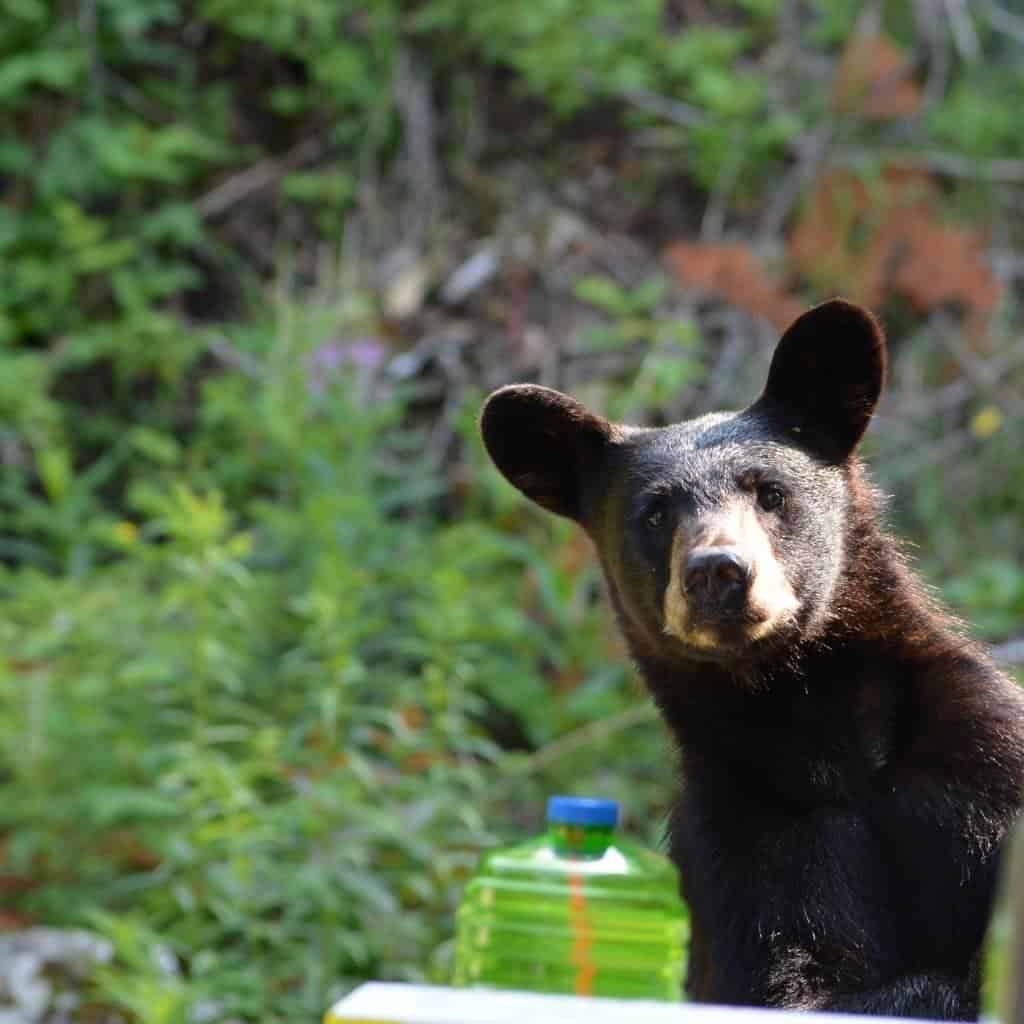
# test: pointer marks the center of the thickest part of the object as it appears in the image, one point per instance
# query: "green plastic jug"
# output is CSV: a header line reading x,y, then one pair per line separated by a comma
x,y
578,910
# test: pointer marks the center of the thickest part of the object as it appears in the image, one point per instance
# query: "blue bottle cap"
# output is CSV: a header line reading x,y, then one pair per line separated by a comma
x,y
583,810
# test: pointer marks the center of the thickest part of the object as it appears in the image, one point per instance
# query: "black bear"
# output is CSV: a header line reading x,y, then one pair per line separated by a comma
x,y
850,762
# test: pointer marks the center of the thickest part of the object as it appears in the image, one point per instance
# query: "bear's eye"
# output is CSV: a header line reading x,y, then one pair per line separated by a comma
x,y
654,512
770,497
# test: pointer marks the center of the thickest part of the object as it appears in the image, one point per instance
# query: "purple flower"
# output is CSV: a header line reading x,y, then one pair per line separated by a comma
x,y
326,360
367,353
327,357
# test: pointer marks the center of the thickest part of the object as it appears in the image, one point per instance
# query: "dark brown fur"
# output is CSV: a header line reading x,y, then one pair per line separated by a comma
x,y
846,782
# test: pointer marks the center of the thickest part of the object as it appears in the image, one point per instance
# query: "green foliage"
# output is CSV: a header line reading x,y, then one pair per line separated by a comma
x,y
994,593
115,118
975,119
119,118
632,312
834,21
974,542
670,345
578,54
257,746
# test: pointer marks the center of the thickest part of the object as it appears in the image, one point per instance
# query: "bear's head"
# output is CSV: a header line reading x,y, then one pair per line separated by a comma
x,y
722,538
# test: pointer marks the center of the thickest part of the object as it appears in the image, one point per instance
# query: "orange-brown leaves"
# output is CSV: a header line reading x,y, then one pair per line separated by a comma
x,y
732,271
870,238
874,80
866,237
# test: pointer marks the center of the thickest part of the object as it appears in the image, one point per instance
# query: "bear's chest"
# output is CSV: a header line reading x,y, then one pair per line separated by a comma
x,y
771,883
811,751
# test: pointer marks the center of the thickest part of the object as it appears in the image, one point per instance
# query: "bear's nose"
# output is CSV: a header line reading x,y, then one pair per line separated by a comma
x,y
720,575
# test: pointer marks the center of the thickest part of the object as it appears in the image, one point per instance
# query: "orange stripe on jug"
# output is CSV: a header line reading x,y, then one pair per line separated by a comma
x,y
582,936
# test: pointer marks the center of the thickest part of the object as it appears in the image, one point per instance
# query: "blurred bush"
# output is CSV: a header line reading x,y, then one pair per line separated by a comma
x,y
281,652
265,739
159,160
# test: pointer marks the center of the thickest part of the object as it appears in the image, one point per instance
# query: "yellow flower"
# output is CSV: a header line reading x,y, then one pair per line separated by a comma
x,y
125,533
986,421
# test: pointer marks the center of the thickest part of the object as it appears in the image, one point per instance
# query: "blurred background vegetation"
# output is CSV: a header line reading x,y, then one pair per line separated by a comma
x,y
281,653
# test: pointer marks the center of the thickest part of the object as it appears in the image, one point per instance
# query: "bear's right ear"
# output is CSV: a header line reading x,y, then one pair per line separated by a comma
x,y
544,443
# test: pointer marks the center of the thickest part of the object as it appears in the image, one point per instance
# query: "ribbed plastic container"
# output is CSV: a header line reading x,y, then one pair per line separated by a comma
x,y
578,910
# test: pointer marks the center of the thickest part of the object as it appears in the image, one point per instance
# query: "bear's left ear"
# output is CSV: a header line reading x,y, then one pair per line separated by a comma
x,y
545,443
825,378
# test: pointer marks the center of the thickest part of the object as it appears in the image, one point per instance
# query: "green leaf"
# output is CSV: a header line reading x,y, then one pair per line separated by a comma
x,y
59,70
602,292
55,471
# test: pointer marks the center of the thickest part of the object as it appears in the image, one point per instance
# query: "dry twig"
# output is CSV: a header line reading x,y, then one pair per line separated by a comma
x,y
932,29
259,176
599,731
1003,170
415,106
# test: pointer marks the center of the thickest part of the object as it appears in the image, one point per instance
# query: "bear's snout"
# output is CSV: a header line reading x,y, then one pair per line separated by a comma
x,y
727,588
717,578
